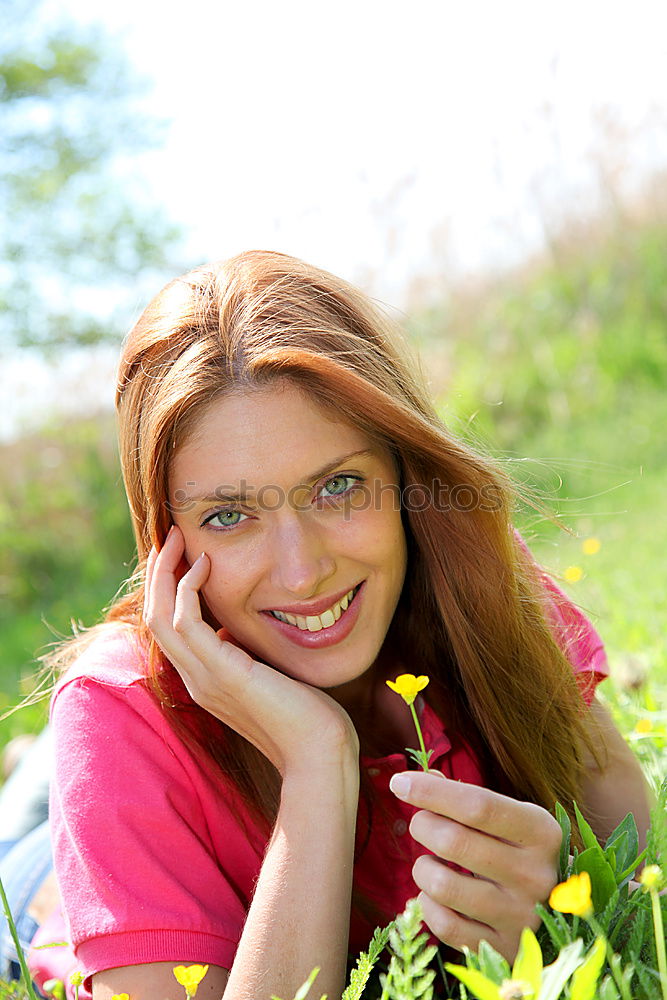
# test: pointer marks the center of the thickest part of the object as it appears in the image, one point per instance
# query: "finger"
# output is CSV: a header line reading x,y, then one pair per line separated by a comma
x,y
498,815
148,573
163,582
474,898
160,599
454,929
473,850
187,606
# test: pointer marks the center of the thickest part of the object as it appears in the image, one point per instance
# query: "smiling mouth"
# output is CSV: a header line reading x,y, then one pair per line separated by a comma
x,y
316,623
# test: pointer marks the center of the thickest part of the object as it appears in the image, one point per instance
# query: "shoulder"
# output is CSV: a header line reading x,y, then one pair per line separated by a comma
x,y
113,654
103,707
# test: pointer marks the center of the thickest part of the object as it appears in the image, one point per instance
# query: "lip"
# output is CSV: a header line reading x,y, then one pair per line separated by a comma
x,y
326,636
312,607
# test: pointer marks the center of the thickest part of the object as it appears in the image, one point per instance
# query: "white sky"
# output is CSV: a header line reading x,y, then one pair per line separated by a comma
x,y
314,127
389,141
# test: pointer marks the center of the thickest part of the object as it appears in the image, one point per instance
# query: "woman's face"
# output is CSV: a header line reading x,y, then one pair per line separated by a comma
x,y
320,519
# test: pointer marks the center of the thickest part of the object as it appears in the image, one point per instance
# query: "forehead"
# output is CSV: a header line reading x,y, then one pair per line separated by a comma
x,y
277,431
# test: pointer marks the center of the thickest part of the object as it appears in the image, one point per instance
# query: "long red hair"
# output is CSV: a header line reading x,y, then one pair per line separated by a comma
x,y
472,611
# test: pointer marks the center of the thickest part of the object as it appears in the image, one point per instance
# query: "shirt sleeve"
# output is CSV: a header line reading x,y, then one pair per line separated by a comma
x,y
575,634
135,856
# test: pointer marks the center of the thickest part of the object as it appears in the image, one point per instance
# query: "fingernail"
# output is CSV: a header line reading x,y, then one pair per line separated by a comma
x,y
400,785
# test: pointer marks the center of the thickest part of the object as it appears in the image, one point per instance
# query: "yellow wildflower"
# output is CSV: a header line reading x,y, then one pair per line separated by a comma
x,y
190,976
590,546
573,574
121,996
652,878
573,896
408,686
644,726
76,979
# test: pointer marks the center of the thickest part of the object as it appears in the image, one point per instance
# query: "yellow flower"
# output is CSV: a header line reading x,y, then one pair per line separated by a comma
x,y
121,996
408,686
644,726
76,979
573,896
590,546
652,878
573,574
190,976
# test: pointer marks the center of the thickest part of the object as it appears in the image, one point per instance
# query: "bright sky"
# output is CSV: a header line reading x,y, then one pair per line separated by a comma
x,y
383,139
388,141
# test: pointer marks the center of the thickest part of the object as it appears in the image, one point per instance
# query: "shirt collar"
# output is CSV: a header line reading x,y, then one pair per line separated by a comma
x,y
435,739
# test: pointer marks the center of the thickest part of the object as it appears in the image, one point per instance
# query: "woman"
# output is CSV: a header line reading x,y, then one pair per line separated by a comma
x,y
307,529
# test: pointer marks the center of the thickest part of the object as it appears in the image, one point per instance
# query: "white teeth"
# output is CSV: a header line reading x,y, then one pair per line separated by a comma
x,y
315,623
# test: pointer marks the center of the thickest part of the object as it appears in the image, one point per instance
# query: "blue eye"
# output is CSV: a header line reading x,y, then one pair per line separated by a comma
x,y
224,519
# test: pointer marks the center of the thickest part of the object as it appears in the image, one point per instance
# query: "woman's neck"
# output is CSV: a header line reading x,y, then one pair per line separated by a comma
x,y
382,719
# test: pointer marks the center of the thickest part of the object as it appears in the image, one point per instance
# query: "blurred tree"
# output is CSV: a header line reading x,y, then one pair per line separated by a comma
x,y
80,229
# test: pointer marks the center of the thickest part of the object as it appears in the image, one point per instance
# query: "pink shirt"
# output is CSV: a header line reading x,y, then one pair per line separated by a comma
x,y
152,858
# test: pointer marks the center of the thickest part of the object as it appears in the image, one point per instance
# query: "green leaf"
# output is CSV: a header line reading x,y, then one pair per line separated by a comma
x,y
419,757
360,975
303,990
632,867
566,827
55,988
557,927
492,964
528,962
627,977
557,974
608,989
586,831
625,840
603,880
586,977
610,856
482,987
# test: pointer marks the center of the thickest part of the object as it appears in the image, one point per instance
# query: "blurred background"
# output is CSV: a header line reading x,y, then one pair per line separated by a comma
x,y
495,174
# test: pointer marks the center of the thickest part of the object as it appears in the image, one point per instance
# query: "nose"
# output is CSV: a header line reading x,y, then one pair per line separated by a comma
x,y
301,560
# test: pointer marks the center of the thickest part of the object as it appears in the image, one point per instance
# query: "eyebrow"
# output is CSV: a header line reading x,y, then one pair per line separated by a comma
x,y
219,496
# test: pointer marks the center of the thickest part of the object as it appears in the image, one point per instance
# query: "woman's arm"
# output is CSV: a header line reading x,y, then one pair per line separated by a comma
x,y
616,785
300,913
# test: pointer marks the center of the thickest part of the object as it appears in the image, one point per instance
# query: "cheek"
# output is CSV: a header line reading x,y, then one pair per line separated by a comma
x,y
229,582
375,537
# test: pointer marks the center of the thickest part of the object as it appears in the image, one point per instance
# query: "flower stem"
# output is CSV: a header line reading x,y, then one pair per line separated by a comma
x,y
421,738
659,940
618,978
27,978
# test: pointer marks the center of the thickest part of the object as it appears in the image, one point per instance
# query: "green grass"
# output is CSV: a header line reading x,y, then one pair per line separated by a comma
x,y
65,529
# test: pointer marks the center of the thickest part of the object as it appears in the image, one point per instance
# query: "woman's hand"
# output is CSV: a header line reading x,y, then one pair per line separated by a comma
x,y
291,722
510,847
